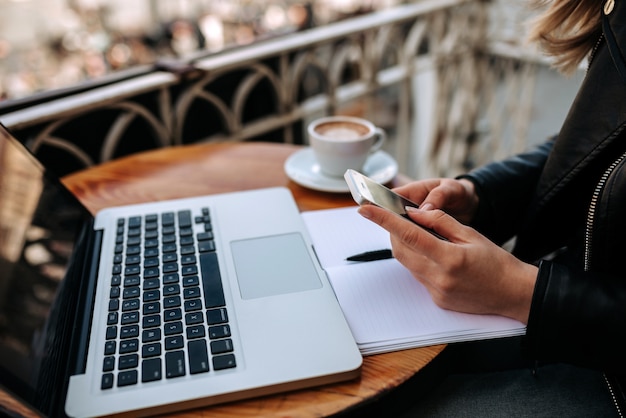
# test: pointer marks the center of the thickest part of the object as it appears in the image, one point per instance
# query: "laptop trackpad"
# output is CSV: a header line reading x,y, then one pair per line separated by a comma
x,y
273,265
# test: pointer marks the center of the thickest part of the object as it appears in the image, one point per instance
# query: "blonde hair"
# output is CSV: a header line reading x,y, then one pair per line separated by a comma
x,y
567,30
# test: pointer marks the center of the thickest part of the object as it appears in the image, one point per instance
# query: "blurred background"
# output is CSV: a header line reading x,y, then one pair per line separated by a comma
x,y
47,44
474,84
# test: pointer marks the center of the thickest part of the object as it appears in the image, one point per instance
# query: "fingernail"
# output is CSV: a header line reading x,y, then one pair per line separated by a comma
x,y
411,209
427,206
364,212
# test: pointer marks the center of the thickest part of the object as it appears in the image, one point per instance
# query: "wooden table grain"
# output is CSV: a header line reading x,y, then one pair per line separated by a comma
x,y
225,167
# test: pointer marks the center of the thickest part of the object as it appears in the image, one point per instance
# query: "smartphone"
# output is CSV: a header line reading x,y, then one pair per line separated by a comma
x,y
364,190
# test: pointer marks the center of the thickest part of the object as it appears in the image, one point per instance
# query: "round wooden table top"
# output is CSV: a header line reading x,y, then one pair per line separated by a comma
x,y
200,169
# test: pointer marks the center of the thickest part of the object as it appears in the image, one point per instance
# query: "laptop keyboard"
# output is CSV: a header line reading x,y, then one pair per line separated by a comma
x,y
167,315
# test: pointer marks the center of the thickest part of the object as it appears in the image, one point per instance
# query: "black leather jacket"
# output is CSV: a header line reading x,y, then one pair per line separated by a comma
x,y
567,198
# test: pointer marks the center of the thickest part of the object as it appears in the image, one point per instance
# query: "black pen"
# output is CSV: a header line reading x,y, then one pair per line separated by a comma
x,y
371,255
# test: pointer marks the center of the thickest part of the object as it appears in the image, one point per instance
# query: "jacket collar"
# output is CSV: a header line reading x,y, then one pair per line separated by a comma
x,y
597,115
596,119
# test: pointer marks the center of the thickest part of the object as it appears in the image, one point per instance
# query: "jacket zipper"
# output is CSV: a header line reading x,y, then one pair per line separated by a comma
x,y
587,261
593,206
613,395
592,55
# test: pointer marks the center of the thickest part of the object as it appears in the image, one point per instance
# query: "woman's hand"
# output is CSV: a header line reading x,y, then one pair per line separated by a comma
x,y
468,273
456,197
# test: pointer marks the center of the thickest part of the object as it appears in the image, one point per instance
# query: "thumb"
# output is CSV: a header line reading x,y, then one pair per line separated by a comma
x,y
435,221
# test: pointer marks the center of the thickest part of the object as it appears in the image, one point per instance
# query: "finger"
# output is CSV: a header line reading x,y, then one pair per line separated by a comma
x,y
413,237
384,218
436,199
429,194
448,196
414,260
417,191
440,222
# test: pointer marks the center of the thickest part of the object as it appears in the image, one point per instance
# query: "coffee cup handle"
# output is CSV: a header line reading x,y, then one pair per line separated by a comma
x,y
381,137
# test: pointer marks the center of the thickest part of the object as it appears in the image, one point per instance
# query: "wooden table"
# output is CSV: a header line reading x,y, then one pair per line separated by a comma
x,y
215,168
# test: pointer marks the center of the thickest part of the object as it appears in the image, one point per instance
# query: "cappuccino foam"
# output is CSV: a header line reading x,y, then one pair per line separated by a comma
x,y
341,130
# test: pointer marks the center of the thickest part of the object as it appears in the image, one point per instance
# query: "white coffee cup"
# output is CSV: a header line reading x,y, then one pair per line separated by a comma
x,y
343,142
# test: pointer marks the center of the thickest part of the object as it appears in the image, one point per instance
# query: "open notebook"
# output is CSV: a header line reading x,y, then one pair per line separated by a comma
x,y
386,308
156,307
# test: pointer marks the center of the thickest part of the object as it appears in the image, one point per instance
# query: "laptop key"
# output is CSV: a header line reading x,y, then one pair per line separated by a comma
x,y
151,321
226,361
130,305
193,305
116,280
150,335
187,241
130,318
132,260
167,218
131,293
111,332
173,328
189,270
151,308
188,249
134,222
170,258
131,281
151,262
127,378
221,346
107,381
191,281
211,280
174,364
112,318
152,295
170,278
191,293
171,302
173,343
128,361
114,292
172,315
151,284
188,259
216,316
129,346
206,246
196,331
129,331
205,236
184,219
110,347
194,318
114,304
171,289
151,350
132,270
151,252
198,356
219,331
109,364
151,370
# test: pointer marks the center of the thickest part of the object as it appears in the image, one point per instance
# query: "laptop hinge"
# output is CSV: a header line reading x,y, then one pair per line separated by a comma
x,y
85,307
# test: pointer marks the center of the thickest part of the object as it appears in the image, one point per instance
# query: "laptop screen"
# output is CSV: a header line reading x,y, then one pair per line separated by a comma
x,y
40,226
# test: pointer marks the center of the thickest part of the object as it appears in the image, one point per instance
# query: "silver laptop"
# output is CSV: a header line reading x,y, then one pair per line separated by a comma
x,y
158,307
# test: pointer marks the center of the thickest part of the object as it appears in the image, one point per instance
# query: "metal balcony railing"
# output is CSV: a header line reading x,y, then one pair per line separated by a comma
x,y
426,72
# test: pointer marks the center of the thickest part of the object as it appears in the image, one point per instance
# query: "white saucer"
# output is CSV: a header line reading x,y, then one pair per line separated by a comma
x,y
302,168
